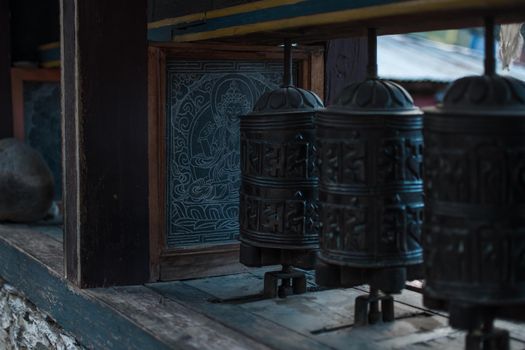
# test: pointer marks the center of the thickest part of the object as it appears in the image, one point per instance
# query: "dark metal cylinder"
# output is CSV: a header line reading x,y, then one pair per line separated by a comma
x,y
474,232
278,205
370,146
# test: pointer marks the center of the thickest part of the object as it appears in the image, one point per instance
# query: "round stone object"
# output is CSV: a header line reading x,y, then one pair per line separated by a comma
x,y
26,183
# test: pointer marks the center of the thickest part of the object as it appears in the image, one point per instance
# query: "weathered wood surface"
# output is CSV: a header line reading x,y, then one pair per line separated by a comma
x,y
51,229
105,112
318,312
231,287
6,119
176,325
214,313
324,318
47,251
264,331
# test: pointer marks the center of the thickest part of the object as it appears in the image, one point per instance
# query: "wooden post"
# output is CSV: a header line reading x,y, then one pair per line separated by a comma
x,y
104,85
346,62
6,117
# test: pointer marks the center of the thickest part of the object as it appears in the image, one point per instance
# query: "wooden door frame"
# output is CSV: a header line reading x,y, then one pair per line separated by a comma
x,y
105,151
18,77
192,262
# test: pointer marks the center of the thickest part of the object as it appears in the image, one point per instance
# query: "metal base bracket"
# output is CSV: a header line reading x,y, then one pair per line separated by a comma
x,y
367,309
292,282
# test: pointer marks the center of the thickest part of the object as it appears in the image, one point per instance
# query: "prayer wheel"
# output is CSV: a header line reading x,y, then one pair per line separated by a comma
x,y
370,146
279,189
474,231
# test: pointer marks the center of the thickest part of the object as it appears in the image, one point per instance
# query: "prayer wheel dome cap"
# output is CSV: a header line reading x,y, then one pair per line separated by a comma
x,y
287,99
375,95
485,92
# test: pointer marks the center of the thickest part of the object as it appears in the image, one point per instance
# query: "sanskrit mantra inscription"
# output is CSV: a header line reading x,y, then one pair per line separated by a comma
x,y
475,188
279,188
371,191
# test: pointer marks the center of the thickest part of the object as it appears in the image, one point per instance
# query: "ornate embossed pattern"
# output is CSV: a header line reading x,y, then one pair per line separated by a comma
x,y
474,233
371,188
288,99
42,126
374,94
279,182
205,100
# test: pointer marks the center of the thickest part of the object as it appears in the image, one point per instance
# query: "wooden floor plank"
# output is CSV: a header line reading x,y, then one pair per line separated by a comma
x,y
310,313
50,228
213,313
300,313
176,325
324,317
229,287
377,336
516,329
233,316
46,250
415,336
454,340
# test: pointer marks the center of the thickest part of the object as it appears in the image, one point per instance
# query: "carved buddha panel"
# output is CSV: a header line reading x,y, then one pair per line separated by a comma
x,y
204,102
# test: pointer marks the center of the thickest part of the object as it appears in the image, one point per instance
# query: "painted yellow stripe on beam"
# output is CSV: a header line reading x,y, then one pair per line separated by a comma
x,y
227,11
51,64
194,17
53,45
371,12
250,7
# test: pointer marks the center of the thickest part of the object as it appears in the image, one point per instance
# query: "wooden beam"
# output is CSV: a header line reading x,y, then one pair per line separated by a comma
x,y
104,84
320,20
175,12
6,118
346,61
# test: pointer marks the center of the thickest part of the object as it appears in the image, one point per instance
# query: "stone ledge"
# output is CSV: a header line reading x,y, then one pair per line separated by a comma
x,y
23,325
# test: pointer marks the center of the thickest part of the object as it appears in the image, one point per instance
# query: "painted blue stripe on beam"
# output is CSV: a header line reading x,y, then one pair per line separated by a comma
x,y
159,34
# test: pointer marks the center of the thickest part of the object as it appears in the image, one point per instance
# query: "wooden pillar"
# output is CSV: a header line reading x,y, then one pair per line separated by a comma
x,y
6,113
104,85
346,62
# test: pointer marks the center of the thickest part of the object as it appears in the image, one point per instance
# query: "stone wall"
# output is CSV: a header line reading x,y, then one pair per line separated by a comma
x,y
23,326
